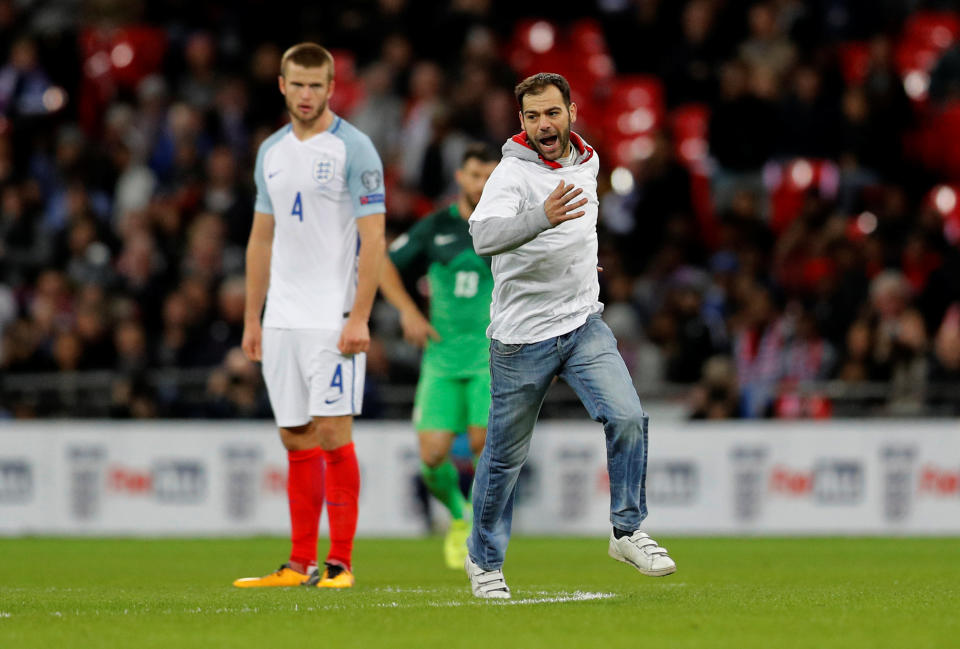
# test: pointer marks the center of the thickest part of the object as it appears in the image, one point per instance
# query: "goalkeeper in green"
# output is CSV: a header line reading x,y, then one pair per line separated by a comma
x,y
453,393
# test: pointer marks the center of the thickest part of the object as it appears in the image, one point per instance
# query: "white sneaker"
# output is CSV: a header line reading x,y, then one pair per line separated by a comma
x,y
489,584
643,553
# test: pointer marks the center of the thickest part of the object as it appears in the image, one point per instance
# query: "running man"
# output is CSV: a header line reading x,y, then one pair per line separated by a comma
x,y
538,219
314,255
453,393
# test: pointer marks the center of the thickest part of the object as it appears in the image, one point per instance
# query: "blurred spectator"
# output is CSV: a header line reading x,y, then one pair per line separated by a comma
x,y
23,82
813,116
234,389
126,155
766,44
945,364
689,66
716,395
197,86
130,342
743,127
759,344
380,114
658,205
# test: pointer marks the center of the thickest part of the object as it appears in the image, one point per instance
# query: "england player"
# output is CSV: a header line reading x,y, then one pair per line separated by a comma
x,y
538,219
314,255
453,393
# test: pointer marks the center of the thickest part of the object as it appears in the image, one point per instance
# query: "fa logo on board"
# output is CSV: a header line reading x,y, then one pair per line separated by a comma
x,y
323,170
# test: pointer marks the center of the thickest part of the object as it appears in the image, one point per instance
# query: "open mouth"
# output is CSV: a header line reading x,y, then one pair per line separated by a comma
x,y
549,142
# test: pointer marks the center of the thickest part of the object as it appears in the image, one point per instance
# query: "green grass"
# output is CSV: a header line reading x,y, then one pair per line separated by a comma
x,y
738,593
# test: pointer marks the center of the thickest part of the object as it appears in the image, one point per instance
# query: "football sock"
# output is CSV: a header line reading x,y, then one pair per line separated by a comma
x,y
619,534
343,491
443,481
305,482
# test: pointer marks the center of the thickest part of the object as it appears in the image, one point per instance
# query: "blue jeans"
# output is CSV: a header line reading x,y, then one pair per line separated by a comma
x,y
588,360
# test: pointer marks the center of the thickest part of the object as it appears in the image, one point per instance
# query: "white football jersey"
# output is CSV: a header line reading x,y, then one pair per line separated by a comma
x,y
316,189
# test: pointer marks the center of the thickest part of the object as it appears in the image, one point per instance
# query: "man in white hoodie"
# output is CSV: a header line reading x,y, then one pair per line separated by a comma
x,y
537,218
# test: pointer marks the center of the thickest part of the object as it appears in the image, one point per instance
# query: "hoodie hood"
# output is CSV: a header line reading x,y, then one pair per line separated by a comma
x,y
519,147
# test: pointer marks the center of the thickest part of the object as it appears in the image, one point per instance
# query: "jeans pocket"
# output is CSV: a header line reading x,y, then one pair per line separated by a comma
x,y
504,349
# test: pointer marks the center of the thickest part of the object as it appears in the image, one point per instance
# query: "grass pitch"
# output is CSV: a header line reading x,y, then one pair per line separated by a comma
x,y
738,593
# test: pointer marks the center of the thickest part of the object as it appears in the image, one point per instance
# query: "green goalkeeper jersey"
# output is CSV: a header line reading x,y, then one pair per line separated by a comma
x,y
461,285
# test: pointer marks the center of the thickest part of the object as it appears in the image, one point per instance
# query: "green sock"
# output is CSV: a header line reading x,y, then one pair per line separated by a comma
x,y
444,482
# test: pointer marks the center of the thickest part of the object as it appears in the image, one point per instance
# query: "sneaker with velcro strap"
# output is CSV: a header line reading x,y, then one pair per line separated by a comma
x,y
643,553
488,584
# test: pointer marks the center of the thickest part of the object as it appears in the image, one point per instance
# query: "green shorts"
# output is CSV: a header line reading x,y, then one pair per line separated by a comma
x,y
451,403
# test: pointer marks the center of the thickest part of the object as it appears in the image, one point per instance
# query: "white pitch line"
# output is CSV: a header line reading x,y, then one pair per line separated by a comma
x,y
541,597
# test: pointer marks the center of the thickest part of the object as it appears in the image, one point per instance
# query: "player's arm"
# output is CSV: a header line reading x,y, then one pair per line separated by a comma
x,y
364,173
259,249
416,328
499,224
355,336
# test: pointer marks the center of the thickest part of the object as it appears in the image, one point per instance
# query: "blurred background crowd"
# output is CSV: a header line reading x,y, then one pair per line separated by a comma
x,y
779,189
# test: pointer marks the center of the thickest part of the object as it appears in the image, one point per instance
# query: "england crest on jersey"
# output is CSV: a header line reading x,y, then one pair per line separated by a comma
x,y
323,170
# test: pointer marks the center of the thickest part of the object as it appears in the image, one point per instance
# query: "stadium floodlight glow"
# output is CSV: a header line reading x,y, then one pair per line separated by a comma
x,y
915,84
639,148
97,65
621,180
801,173
945,199
54,98
639,120
867,222
693,149
121,55
541,37
941,37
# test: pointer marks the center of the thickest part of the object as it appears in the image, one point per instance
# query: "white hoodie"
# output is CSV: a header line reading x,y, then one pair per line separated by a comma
x,y
544,278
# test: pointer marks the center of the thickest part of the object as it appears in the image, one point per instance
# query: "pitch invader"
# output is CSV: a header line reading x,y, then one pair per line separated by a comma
x,y
314,256
453,393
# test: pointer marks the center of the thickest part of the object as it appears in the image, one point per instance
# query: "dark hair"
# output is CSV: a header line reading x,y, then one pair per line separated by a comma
x,y
309,55
537,83
480,152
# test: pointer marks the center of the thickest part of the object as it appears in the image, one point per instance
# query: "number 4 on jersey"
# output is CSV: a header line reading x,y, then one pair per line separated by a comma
x,y
297,207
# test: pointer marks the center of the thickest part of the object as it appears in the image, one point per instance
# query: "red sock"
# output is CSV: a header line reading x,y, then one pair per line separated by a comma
x,y
305,482
343,490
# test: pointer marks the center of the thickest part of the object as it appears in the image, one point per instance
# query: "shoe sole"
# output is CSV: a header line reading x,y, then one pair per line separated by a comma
x,y
649,573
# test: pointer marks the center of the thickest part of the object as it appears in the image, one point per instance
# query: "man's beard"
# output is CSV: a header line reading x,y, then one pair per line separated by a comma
x,y
563,139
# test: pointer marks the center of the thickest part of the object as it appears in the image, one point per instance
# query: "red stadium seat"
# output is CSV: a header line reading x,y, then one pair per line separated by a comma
x,y
349,92
944,135
790,182
935,29
854,61
689,124
925,36
532,39
632,110
586,37
914,62
945,201
635,91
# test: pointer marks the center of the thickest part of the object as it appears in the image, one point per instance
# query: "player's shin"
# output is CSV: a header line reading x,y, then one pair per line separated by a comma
x,y
343,492
443,481
305,490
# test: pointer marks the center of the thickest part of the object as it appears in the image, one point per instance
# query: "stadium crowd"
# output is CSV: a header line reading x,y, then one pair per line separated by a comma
x,y
779,189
